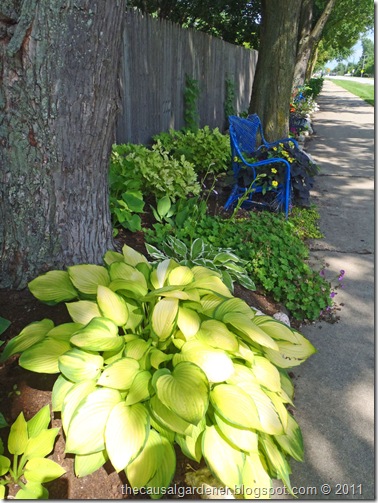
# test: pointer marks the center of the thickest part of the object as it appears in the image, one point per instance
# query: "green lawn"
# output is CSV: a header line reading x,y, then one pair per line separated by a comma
x,y
364,91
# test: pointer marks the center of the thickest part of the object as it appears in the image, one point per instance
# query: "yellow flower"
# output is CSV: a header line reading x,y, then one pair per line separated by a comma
x,y
275,183
236,159
274,170
275,149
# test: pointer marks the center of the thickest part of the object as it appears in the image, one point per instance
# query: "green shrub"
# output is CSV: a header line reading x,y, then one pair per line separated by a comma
x,y
163,354
314,87
207,149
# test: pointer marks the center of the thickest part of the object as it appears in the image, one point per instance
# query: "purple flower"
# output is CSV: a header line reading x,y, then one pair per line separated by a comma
x,y
332,294
342,274
322,273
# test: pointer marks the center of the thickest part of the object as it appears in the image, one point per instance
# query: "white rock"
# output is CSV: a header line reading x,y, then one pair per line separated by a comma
x,y
282,317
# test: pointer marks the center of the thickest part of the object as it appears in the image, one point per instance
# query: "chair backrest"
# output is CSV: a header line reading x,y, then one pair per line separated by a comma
x,y
244,132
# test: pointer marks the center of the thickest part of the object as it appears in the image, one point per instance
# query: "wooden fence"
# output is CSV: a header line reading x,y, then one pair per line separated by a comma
x,y
157,56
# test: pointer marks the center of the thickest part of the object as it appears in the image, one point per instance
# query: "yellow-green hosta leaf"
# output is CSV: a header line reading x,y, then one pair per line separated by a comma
x,y
101,334
42,470
18,436
40,421
120,374
275,329
59,391
53,287
136,348
136,315
132,257
216,364
85,464
241,374
191,445
185,392
181,275
239,438
112,256
216,334
128,289
210,284
140,388
126,433
279,405
225,462
286,385
64,331
73,398
87,277
277,460
210,303
245,352
188,322
233,305
32,491
112,306
77,365
249,329
255,478
41,445
87,427
266,374
159,275
267,413
169,419
167,433
235,405
4,465
157,357
2,492
166,470
164,317
292,441
44,356
121,270
30,335
83,311
290,355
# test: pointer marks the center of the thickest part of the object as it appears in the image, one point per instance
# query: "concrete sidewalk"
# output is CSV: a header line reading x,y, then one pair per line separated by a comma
x,y
335,387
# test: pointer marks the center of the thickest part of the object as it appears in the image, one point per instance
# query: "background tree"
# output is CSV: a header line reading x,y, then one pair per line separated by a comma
x,y
366,61
272,84
58,103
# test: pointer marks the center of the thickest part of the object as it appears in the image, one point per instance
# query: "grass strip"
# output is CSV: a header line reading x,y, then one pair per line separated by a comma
x,y
363,91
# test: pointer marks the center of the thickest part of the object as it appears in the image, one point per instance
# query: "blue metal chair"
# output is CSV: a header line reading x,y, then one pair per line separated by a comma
x,y
244,135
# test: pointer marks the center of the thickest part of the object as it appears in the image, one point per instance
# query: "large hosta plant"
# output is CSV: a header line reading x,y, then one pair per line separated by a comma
x,y
163,354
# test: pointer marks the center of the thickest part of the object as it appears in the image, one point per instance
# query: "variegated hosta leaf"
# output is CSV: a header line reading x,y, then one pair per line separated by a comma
x,y
210,284
59,391
163,317
29,491
234,305
292,441
101,334
44,356
287,386
155,465
290,355
191,445
87,277
112,306
39,422
64,331
126,433
188,322
140,388
279,405
77,365
87,427
159,275
274,328
242,373
41,445
73,398
239,438
216,364
210,303
29,336
120,374
185,392
53,287
120,270
157,357
85,464
266,374
136,348
216,334
235,405
136,314
112,256
42,470
245,352
255,478
225,462
169,419
277,460
83,311
181,275
249,330
132,257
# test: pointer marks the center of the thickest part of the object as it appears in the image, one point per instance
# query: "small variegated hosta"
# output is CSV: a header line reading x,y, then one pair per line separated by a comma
x,y
163,354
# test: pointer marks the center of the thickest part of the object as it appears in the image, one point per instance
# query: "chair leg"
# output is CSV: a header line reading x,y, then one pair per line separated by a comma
x,y
234,196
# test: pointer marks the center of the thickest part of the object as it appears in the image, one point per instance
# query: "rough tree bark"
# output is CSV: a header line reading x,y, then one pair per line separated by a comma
x,y
272,84
58,104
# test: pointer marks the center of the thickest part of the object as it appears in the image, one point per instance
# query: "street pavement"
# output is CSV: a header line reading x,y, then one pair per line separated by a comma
x,y
335,388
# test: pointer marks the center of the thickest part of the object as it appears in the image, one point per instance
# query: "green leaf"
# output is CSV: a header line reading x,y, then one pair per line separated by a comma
x,y
134,201
163,206
87,427
292,441
197,248
216,334
120,374
188,322
3,422
164,316
239,438
78,365
168,419
255,478
41,445
249,330
112,306
42,470
44,356
18,436
225,462
191,445
101,334
59,391
181,275
30,335
73,398
4,465
139,390
87,277
86,464
277,459
210,284
290,355
39,422
32,491
53,287
136,348
2,492
132,257
83,311
126,433
4,324
266,374
64,331
157,357
112,256
275,329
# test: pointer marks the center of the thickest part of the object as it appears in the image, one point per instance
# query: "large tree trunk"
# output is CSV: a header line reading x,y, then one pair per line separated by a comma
x,y
58,104
273,79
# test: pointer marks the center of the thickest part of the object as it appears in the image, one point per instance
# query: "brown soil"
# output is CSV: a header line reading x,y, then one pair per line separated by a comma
x,y
21,390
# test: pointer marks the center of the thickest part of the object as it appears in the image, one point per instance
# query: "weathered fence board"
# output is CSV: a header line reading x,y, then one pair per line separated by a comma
x,y
157,56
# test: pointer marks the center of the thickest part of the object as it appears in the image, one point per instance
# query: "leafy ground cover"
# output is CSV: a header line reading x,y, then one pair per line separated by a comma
x,y
363,91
